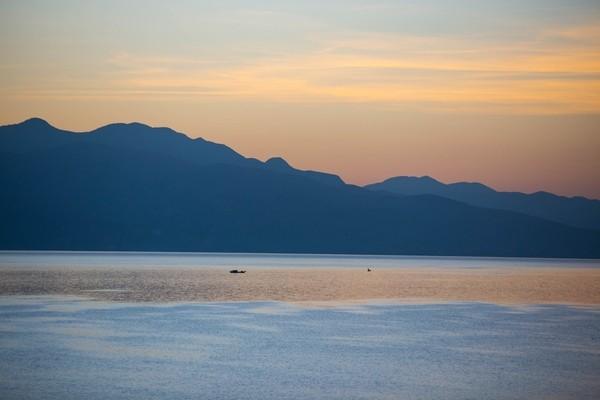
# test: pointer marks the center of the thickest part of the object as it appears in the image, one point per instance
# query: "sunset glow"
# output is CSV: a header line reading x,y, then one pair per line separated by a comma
x,y
502,92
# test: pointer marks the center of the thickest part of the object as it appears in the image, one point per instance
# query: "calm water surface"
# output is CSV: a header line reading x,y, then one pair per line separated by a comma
x,y
69,348
61,347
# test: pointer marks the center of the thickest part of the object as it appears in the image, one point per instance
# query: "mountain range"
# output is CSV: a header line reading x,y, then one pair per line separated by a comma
x,y
134,187
576,211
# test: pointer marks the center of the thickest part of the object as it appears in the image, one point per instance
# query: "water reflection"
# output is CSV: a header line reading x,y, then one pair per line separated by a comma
x,y
68,348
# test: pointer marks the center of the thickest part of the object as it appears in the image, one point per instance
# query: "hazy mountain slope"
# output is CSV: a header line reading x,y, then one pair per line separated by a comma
x,y
36,134
575,211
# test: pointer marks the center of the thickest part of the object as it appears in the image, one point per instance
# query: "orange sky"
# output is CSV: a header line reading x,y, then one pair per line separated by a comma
x,y
506,93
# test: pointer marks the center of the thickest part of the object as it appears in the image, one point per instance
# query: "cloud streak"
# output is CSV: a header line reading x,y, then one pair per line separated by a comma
x,y
536,76
448,75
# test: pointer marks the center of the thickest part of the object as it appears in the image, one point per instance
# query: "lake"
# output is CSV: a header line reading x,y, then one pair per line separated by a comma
x,y
67,348
65,340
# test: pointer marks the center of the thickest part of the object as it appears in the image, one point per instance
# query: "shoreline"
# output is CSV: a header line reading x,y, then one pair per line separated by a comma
x,y
504,286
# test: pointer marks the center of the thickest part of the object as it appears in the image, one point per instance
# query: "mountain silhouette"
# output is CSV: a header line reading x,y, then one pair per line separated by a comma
x,y
133,187
35,134
575,211
280,165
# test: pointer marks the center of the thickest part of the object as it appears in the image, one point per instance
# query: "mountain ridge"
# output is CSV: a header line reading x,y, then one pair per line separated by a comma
x,y
576,211
70,192
26,135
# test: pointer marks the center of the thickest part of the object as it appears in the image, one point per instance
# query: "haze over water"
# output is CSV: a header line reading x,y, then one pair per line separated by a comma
x,y
202,277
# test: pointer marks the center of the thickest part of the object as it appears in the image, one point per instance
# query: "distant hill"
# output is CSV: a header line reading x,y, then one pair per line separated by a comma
x,y
133,187
37,135
575,211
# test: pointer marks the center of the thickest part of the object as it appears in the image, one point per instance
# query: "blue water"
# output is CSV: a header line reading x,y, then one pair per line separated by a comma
x,y
50,259
69,348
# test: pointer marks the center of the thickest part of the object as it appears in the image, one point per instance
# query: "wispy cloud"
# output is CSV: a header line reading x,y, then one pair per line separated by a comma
x,y
351,55
535,76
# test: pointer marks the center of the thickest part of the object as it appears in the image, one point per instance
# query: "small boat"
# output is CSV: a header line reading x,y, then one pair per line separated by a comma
x,y
237,271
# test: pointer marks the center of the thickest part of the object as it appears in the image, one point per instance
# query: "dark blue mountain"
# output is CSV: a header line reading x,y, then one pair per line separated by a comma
x,y
36,134
132,187
278,164
575,211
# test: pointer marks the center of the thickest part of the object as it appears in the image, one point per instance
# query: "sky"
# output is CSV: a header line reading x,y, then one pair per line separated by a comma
x,y
502,92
